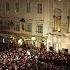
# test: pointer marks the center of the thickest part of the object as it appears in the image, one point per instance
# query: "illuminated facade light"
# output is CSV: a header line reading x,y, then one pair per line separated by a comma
x,y
20,42
59,0
33,38
3,40
59,29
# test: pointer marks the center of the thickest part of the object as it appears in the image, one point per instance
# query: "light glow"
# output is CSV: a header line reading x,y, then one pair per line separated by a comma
x,y
20,42
59,0
33,38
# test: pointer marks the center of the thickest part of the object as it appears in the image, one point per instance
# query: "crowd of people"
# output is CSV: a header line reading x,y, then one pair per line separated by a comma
x,y
41,60
33,59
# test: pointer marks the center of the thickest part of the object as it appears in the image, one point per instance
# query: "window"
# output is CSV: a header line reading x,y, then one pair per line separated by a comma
x,y
22,26
39,8
57,23
40,28
11,25
29,27
28,8
17,27
7,6
17,7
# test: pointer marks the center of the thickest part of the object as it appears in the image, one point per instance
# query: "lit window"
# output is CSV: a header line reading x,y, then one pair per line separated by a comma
x,y
57,24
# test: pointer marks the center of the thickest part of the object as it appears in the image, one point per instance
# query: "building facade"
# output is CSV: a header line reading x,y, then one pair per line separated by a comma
x,y
46,20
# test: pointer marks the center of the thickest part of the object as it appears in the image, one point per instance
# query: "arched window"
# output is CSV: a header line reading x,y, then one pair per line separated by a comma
x,y
57,19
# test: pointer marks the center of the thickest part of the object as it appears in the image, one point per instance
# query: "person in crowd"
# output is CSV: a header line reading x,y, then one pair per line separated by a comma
x,y
41,60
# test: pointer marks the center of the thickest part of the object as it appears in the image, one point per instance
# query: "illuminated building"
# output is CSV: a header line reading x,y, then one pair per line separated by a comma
x,y
46,20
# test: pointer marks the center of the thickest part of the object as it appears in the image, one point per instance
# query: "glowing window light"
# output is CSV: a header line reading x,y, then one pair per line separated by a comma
x,y
59,29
